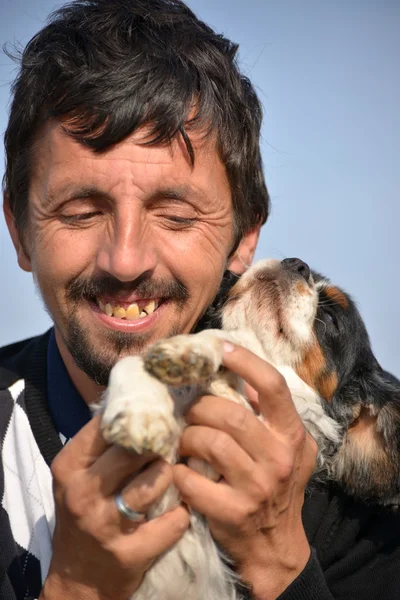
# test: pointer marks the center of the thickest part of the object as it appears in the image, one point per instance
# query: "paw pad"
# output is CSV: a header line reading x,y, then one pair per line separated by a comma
x,y
178,368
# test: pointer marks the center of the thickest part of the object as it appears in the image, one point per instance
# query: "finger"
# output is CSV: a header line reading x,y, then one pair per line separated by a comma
x,y
140,493
83,449
153,538
252,398
221,451
275,400
309,459
217,501
240,423
114,466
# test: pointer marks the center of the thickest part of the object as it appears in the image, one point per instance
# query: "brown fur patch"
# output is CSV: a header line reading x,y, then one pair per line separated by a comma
x,y
302,289
362,460
364,421
313,364
313,370
337,296
327,385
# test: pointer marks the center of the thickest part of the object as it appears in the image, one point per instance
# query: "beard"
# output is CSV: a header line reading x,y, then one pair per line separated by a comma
x,y
97,361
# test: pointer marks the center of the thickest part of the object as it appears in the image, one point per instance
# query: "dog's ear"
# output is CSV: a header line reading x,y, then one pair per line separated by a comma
x,y
367,463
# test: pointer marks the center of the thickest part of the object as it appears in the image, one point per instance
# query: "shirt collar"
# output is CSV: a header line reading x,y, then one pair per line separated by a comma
x,y
67,408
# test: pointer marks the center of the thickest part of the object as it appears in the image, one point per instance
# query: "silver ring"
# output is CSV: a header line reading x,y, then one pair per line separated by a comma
x,y
127,512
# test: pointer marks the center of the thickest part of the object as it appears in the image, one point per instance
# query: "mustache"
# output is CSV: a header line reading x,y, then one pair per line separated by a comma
x,y
83,288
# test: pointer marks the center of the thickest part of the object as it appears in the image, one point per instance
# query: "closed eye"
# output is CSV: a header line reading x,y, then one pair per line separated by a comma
x,y
332,318
79,217
181,220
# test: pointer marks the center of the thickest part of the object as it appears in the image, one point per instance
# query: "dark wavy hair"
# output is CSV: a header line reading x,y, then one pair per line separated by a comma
x,y
108,67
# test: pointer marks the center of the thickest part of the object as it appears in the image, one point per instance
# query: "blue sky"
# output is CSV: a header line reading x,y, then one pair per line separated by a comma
x,y
328,76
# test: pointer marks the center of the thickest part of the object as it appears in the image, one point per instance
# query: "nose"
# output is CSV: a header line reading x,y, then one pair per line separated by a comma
x,y
128,253
298,266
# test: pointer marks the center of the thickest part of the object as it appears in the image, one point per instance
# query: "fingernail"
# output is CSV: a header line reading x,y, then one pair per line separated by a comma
x,y
228,347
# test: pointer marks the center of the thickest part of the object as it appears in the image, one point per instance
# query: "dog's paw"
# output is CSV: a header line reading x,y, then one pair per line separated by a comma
x,y
147,429
181,360
138,412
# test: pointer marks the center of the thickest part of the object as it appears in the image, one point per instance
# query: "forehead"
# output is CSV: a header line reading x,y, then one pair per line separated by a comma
x,y
61,164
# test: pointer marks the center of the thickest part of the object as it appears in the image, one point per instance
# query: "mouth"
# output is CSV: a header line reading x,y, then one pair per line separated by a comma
x,y
130,316
128,311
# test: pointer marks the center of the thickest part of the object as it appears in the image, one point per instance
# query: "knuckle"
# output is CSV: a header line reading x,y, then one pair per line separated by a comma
x,y
146,488
285,470
72,503
277,384
312,447
237,419
120,555
144,497
58,470
220,443
76,503
179,524
299,435
261,490
239,516
242,513
259,485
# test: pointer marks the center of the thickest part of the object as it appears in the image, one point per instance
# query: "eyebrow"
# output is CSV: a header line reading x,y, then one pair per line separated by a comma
x,y
69,192
180,192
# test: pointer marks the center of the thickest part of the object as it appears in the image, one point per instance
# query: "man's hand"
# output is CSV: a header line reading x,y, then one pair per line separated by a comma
x,y
254,512
97,553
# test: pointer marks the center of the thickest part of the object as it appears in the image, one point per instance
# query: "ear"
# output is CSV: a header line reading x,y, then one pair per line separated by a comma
x,y
22,255
244,254
367,463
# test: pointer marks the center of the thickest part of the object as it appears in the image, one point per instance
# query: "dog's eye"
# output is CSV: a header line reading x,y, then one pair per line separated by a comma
x,y
332,318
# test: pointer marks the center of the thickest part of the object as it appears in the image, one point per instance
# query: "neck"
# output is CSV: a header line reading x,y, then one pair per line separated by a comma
x,y
86,387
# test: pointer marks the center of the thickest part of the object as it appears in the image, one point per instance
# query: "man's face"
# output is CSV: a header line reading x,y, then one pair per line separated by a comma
x,y
114,236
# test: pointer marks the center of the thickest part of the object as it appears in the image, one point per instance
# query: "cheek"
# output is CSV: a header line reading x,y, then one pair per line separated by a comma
x,y
200,276
195,258
59,255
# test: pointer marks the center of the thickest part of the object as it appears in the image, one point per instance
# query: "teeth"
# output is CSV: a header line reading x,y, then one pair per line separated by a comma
x,y
132,312
150,307
119,312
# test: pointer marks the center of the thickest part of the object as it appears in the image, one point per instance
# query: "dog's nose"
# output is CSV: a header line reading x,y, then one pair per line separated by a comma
x,y
298,266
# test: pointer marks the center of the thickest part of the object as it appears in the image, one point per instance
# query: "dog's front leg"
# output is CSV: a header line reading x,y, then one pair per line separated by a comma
x,y
196,360
138,411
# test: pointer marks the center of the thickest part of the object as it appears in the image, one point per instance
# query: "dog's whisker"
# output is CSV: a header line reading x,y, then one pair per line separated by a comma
x,y
326,304
320,320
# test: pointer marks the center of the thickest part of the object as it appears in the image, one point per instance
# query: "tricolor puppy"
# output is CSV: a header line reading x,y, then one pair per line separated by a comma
x,y
313,334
